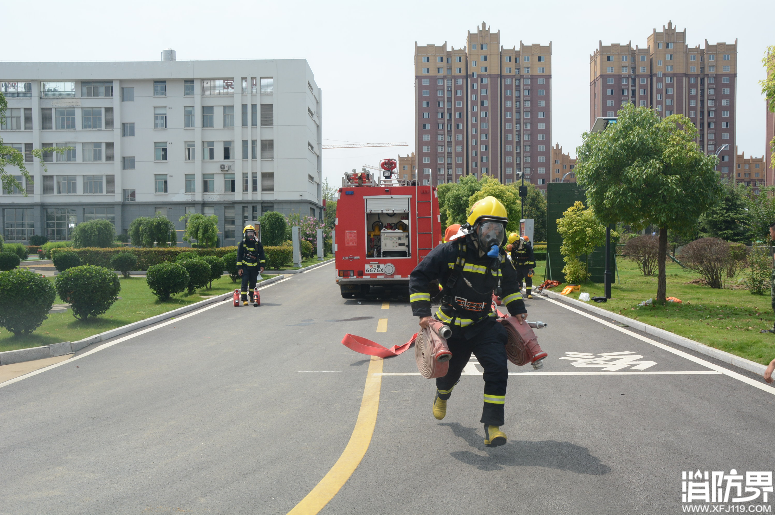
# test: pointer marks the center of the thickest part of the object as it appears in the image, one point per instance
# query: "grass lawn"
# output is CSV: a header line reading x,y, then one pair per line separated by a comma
x,y
728,319
307,262
136,302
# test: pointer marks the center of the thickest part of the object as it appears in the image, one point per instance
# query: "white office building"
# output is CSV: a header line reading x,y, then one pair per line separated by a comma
x,y
231,138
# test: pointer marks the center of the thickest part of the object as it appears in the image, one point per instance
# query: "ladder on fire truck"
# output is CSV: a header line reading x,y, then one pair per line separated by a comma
x,y
423,207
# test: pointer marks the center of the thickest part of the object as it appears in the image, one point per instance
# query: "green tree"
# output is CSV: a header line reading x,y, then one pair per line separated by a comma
x,y
329,217
10,156
456,200
644,170
273,227
442,190
761,213
768,86
145,231
535,208
201,229
94,233
506,194
581,233
729,219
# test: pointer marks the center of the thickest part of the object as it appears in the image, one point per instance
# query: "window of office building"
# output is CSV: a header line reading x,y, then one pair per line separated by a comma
x,y
57,89
208,150
228,116
69,155
190,179
229,183
91,152
267,149
189,117
267,85
159,117
208,116
19,224
160,183
160,88
213,87
188,88
92,183
228,149
128,162
59,223
267,181
160,151
65,119
127,129
267,115
208,183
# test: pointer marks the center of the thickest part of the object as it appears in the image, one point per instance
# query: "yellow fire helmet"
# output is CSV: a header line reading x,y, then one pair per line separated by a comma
x,y
513,237
248,228
489,208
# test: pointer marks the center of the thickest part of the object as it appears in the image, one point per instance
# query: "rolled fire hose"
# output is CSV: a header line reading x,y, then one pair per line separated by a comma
x,y
522,345
431,351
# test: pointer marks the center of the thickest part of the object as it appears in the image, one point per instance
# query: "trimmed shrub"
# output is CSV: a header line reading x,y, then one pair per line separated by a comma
x,y
65,260
230,265
273,227
198,273
166,279
95,233
145,231
709,257
2,241
186,255
8,261
277,257
307,250
644,251
38,240
25,300
51,245
216,268
18,249
122,238
90,290
738,259
124,262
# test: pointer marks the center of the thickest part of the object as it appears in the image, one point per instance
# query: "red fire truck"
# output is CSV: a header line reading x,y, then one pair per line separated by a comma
x,y
384,228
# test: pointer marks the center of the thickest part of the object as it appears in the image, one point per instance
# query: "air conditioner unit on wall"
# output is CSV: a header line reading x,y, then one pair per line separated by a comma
x,y
225,168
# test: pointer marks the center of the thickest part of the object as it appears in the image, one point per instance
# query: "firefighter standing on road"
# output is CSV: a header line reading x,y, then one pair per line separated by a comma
x,y
469,268
523,260
250,262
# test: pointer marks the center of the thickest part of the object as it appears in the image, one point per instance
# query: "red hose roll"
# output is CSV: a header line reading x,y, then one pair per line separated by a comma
x,y
522,346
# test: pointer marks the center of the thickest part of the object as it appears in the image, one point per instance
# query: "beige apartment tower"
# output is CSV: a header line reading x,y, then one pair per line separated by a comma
x,y
483,109
672,77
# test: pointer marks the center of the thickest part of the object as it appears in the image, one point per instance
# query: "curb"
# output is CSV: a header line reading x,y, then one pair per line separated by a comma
x,y
63,348
701,348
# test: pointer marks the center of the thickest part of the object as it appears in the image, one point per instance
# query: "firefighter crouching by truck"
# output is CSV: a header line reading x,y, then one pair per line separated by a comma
x,y
251,261
523,260
468,269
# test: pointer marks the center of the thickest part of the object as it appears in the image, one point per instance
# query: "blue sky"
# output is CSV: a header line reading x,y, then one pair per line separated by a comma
x,y
362,52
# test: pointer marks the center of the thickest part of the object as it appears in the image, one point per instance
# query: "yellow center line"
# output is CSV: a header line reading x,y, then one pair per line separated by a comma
x,y
382,325
386,305
356,448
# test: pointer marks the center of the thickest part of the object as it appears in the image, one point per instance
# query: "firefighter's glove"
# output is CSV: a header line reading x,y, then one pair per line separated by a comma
x,y
239,272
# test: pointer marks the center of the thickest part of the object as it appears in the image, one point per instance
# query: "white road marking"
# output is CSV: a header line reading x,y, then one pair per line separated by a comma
x,y
608,361
174,320
527,374
734,375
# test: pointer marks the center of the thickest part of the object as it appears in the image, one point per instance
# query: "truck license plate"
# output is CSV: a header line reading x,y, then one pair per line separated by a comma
x,y
375,268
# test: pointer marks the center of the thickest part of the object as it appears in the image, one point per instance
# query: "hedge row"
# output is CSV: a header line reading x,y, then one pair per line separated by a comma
x,y
147,257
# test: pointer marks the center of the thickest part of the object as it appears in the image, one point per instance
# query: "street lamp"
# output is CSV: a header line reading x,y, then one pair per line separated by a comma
x,y
564,176
600,125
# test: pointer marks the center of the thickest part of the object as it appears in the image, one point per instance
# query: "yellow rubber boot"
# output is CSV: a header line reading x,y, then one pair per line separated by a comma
x,y
439,407
493,436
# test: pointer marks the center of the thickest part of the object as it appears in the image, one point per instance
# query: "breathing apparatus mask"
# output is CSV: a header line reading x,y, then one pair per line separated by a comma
x,y
250,235
489,235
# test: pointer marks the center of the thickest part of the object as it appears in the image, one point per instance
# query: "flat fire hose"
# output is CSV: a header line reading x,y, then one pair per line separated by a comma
x,y
366,346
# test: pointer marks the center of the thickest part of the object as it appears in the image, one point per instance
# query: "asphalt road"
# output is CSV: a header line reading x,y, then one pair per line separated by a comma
x,y
245,410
